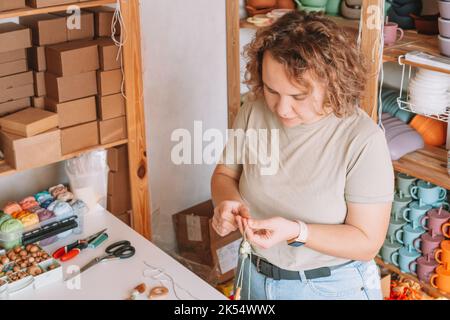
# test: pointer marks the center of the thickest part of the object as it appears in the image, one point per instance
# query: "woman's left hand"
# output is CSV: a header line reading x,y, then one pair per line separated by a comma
x,y
267,233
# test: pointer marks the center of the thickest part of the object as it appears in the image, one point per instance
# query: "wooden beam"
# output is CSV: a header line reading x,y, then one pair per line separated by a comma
x,y
137,147
370,46
233,60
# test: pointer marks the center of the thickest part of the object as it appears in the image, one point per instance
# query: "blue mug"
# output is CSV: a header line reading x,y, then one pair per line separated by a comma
x,y
407,235
388,249
403,258
428,193
415,212
400,202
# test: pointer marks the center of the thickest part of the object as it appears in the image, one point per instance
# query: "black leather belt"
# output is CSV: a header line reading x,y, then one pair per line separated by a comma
x,y
269,270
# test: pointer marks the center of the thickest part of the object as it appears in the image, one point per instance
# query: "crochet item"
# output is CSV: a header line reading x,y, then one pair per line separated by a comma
x,y
29,220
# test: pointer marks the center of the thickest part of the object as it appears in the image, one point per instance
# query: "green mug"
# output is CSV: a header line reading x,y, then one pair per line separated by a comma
x,y
400,203
404,183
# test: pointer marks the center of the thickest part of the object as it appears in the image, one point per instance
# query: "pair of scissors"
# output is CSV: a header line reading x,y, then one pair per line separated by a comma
x,y
119,250
72,250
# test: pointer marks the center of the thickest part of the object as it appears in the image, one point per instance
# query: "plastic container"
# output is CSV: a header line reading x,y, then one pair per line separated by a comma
x,y
12,239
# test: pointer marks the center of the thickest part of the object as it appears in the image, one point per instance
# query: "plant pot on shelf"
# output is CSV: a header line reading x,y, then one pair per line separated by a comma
x,y
255,7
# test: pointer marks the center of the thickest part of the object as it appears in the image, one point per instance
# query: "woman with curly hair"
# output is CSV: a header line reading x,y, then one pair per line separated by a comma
x,y
317,223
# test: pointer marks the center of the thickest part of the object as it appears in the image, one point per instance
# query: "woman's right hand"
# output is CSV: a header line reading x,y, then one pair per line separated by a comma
x,y
224,220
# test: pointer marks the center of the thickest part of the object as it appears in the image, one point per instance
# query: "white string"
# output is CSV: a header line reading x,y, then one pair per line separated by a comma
x,y
120,41
174,284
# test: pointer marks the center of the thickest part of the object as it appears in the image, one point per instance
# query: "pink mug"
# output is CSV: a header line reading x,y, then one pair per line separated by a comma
x,y
390,33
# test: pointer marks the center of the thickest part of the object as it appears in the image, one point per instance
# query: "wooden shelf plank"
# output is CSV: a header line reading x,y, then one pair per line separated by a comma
x,y
427,288
6,170
429,164
33,11
412,41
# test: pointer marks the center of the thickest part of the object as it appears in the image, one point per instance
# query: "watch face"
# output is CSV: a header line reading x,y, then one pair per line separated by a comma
x,y
296,244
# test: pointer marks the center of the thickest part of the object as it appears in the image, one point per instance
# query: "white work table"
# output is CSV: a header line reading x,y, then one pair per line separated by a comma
x,y
115,280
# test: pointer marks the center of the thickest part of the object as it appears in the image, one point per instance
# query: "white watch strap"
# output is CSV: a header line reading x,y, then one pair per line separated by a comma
x,y
303,236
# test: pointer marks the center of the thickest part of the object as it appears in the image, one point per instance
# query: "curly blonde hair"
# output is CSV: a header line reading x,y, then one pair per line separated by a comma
x,y
311,42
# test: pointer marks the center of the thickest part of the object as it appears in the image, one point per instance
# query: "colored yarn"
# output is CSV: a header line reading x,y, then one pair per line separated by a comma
x,y
61,209
12,226
45,214
29,220
4,217
28,203
57,190
65,196
20,214
43,196
12,207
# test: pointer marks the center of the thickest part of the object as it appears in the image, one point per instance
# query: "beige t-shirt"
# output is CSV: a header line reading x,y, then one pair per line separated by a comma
x,y
322,166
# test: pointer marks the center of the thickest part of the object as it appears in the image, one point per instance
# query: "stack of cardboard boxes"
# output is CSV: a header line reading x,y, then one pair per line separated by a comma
x,y
16,83
76,74
119,194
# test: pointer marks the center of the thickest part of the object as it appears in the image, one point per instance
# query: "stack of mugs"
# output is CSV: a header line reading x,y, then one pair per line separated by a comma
x,y
417,227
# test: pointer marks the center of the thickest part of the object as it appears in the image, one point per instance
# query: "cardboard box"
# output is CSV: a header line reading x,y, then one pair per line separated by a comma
x,y
46,29
198,242
13,106
16,80
386,285
110,107
118,158
39,84
9,56
103,17
63,89
13,36
16,87
13,67
119,194
79,137
7,5
73,112
29,122
86,27
38,102
108,54
71,58
109,82
47,3
36,59
26,153
113,130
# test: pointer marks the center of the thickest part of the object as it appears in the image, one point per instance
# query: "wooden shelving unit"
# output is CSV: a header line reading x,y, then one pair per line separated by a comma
x,y
6,170
32,11
426,287
136,142
429,163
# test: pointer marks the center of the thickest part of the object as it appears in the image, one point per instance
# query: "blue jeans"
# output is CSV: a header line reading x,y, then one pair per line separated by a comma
x,y
355,281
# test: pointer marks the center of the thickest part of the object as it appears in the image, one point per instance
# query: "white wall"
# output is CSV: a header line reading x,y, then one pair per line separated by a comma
x,y
184,57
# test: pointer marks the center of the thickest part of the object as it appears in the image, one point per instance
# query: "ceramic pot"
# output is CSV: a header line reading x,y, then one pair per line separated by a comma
x,y
285,4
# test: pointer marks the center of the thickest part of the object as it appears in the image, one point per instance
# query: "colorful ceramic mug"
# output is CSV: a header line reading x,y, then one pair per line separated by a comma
x,y
403,257
388,249
442,255
423,268
428,193
394,225
441,279
407,235
414,213
390,33
434,221
427,245
398,205
404,183
446,229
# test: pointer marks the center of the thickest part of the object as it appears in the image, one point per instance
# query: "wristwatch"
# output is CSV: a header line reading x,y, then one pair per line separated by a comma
x,y
302,237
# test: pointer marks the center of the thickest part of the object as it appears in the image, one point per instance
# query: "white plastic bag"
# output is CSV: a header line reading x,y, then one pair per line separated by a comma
x,y
88,178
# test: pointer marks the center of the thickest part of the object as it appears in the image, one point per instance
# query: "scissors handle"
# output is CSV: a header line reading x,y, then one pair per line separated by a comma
x,y
121,249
